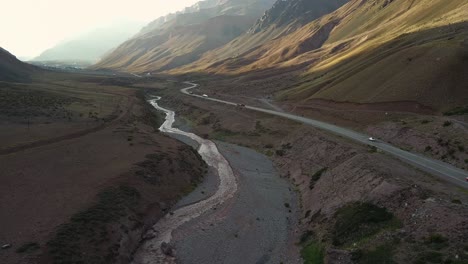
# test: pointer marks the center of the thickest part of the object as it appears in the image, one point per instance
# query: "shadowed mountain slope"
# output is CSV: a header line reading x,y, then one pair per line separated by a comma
x,y
179,39
12,69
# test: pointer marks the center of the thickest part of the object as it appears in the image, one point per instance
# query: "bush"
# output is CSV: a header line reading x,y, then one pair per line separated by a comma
x,y
428,148
280,152
436,241
359,220
429,257
313,253
382,255
28,247
90,226
447,123
316,177
306,236
457,111
372,149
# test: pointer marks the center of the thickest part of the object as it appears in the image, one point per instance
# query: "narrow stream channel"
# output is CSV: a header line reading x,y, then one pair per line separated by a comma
x,y
150,251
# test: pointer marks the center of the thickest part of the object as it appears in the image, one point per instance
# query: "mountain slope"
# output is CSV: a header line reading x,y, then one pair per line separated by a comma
x,y
176,40
92,46
13,70
366,51
280,20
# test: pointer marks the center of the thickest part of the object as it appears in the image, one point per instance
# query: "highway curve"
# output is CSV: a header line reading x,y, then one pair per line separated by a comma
x,y
435,167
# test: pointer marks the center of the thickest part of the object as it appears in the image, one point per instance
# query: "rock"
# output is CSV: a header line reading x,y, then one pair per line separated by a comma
x,y
338,256
430,200
6,246
148,236
167,249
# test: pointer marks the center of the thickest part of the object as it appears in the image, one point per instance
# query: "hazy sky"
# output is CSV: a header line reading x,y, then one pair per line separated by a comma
x,y
28,27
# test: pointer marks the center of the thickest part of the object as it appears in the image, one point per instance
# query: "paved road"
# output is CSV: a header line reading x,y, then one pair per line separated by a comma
x,y
432,166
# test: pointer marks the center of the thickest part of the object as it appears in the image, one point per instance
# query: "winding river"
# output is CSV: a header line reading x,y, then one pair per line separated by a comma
x,y
150,251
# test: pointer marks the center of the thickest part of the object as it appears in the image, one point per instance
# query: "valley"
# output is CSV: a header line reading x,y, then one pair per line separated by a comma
x,y
238,131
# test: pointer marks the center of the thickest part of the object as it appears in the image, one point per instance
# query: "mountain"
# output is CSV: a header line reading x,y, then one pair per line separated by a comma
x,y
182,38
283,18
366,51
90,47
12,69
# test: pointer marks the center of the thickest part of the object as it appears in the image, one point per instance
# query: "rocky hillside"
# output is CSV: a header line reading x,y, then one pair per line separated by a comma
x,y
13,70
179,39
361,206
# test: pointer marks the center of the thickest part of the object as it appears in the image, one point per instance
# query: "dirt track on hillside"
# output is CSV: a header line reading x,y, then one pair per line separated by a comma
x,y
74,135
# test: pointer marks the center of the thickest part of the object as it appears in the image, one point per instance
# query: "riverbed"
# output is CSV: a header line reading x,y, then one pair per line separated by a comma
x,y
243,212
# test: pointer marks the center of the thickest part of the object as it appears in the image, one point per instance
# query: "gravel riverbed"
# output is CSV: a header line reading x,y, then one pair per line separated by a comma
x,y
243,211
255,226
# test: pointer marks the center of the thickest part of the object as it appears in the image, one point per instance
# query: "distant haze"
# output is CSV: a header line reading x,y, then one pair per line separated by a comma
x,y
32,26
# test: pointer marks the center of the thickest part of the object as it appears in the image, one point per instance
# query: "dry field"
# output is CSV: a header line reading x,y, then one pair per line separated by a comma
x,y
84,170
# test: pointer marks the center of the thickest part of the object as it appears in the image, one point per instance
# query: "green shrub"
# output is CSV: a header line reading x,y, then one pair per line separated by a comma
x,y
313,253
447,123
382,255
372,149
457,111
316,177
436,241
360,220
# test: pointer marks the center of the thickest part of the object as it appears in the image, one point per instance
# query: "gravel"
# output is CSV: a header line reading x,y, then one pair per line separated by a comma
x,y
253,227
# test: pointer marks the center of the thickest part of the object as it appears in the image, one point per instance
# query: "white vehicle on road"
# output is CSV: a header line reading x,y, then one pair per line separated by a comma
x,y
372,139
204,95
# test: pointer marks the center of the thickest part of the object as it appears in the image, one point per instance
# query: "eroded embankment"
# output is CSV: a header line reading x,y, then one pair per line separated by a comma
x,y
361,206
